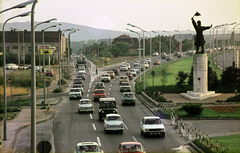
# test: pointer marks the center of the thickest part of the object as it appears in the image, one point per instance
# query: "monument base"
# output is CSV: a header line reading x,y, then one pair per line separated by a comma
x,y
199,95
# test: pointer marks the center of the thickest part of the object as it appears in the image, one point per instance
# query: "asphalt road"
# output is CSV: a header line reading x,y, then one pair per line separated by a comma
x,y
70,128
228,59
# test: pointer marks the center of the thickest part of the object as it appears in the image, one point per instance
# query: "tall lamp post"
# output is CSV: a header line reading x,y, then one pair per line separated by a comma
x,y
159,45
44,81
143,52
150,49
139,53
169,43
235,63
4,70
68,59
181,40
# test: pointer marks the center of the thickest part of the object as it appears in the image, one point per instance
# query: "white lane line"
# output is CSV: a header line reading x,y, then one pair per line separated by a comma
x,y
125,126
87,95
108,93
134,139
94,127
110,85
99,142
90,116
88,90
109,88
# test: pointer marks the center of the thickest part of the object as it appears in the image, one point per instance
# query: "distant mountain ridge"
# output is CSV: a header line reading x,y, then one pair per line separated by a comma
x,y
85,33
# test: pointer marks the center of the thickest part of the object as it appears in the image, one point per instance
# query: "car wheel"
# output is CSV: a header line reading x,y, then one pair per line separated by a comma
x,y
141,132
163,135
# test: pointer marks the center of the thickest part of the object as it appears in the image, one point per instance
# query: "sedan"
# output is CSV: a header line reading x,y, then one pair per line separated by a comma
x,y
85,105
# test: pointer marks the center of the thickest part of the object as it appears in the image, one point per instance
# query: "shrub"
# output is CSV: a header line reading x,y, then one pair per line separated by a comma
x,y
63,82
43,107
67,76
57,90
193,109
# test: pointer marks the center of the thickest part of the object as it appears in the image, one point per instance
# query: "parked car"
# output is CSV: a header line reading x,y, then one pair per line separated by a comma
x,y
155,54
123,79
49,73
116,71
99,93
152,125
105,78
113,122
11,66
75,93
156,62
128,98
125,86
88,147
129,74
130,147
85,105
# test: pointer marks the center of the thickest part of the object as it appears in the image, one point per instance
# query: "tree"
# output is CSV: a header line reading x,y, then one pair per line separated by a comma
x,y
182,76
230,77
163,77
120,49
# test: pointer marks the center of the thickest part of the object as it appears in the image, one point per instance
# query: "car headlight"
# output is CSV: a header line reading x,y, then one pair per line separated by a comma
x,y
108,126
102,111
121,126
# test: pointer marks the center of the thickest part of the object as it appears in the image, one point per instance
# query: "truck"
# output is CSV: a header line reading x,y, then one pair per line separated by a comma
x,y
106,106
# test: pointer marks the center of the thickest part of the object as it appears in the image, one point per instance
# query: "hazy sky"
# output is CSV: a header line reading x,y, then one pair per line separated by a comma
x,y
115,14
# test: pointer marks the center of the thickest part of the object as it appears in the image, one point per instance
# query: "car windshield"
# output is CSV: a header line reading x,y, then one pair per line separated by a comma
x,y
74,90
131,148
105,75
85,102
153,121
99,84
107,104
128,95
99,91
113,118
87,148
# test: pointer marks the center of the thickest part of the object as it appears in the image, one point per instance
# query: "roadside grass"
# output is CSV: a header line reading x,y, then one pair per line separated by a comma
x,y
210,111
230,142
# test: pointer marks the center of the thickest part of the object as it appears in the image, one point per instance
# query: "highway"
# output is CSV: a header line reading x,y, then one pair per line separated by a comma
x,y
70,128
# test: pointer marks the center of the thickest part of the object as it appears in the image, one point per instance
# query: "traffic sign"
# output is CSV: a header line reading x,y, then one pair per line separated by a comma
x,y
9,80
44,146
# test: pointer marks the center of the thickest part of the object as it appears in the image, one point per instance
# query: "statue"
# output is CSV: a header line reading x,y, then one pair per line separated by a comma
x,y
199,41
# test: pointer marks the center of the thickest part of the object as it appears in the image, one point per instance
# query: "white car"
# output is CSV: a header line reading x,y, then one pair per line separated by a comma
x,y
155,54
146,64
152,125
113,122
148,60
75,93
134,73
11,66
85,105
135,64
82,70
136,69
88,147
106,78
128,65
124,68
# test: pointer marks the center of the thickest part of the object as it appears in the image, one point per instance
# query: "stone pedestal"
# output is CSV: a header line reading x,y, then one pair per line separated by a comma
x,y
200,79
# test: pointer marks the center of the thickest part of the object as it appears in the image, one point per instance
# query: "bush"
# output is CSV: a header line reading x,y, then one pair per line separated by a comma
x,y
67,76
193,109
57,90
63,82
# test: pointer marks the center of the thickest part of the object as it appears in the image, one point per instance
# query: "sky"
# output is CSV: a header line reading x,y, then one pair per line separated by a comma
x,y
168,15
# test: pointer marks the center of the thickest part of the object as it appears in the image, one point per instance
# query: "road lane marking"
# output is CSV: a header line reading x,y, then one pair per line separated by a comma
x,y
134,139
88,90
108,93
87,95
99,142
125,126
90,116
94,127
110,85
109,88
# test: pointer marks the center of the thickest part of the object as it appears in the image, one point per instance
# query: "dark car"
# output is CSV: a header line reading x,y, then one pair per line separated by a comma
x,y
129,74
116,71
49,73
78,81
83,76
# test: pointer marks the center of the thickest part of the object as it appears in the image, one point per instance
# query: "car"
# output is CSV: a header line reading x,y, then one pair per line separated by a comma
x,y
156,62
81,75
99,93
155,54
75,93
128,65
123,79
49,73
163,55
129,74
180,55
134,73
187,52
169,58
130,147
128,98
88,147
148,60
116,71
85,105
106,106
192,52
125,86
23,67
135,64
99,85
176,53
152,125
82,70
142,68
77,81
113,122
123,68
146,64
105,78
136,69
11,66
111,73
79,86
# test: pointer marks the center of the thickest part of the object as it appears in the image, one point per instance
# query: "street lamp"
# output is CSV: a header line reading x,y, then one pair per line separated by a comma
x,y
234,63
159,45
139,53
143,52
181,40
150,49
75,30
22,5
4,70
15,29
44,81
169,43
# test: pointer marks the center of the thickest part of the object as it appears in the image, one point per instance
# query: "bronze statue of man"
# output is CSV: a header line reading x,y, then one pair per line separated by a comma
x,y
199,41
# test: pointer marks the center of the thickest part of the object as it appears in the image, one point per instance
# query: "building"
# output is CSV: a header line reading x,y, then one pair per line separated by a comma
x,y
19,42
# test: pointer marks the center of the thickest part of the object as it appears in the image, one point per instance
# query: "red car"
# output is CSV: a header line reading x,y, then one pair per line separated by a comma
x,y
129,74
49,73
99,93
130,147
